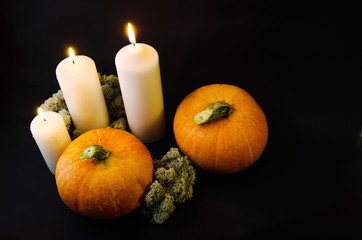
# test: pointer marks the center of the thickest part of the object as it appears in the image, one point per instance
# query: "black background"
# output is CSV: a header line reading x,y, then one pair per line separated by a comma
x,y
300,61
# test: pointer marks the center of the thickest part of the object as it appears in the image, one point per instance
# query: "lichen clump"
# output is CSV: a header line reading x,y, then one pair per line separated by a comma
x,y
173,183
112,96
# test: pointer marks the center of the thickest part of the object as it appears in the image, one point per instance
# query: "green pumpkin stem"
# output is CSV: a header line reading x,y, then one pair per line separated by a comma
x,y
97,152
217,110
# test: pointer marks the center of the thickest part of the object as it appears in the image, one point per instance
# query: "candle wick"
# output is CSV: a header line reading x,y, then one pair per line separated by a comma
x,y
73,61
134,44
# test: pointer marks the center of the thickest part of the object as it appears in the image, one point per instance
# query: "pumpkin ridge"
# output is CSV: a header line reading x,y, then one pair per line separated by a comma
x,y
109,137
99,139
118,156
66,150
231,96
73,149
252,109
247,141
80,191
187,136
260,127
135,179
114,159
112,134
65,188
129,190
66,169
114,196
131,174
217,147
129,193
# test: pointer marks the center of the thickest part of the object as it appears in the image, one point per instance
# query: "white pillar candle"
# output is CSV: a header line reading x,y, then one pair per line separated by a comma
x,y
78,79
51,136
140,81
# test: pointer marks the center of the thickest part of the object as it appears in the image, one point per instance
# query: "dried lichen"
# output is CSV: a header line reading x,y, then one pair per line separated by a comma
x,y
120,123
173,183
116,107
56,103
67,118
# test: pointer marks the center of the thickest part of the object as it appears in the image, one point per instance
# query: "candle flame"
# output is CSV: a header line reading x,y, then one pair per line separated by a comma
x,y
42,114
131,35
71,54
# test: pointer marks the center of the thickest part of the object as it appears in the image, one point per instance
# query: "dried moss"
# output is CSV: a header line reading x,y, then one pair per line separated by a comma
x,y
173,183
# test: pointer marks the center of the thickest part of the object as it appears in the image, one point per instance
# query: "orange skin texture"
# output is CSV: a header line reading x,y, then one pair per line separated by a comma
x,y
108,189
226,145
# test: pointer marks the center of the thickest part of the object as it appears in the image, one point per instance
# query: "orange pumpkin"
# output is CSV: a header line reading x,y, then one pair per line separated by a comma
x,y
220,128
104,173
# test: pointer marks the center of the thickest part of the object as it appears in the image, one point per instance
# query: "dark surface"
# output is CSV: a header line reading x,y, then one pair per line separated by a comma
x,y
301,63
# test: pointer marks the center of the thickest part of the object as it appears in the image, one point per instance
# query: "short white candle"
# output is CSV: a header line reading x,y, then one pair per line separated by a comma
x,y
78,79
140,81
51,136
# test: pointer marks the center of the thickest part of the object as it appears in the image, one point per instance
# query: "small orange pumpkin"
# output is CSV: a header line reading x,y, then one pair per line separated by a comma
x,y
220,128
104,173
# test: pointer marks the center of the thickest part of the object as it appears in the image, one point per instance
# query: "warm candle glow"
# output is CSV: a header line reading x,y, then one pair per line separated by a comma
x,y
131,35
42,114
72,55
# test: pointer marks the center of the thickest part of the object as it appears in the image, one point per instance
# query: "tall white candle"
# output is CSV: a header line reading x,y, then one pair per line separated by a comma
x,y
78,79
140,81
51,136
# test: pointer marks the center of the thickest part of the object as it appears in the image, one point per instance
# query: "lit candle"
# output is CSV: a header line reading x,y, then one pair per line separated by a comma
x,y
78,79
50,135
140,81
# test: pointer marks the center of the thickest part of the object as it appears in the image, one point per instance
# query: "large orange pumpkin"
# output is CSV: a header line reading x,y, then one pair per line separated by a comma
x,y
220,128
104,173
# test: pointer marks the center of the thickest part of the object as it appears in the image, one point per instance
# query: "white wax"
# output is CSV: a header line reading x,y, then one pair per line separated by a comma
x,y
83,93
51,136
140,81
